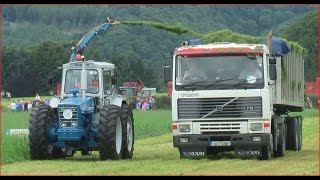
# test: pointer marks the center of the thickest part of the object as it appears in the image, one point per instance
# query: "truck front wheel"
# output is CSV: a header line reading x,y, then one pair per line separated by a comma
x,y
110,133
281,146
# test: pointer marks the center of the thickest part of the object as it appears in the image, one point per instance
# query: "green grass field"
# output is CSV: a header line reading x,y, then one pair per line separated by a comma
x,y
154,153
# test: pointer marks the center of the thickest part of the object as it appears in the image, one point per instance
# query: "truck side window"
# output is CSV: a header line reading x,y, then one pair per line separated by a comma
x,y
107,82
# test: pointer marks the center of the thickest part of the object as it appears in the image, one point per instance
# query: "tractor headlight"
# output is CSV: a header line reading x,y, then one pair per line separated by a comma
x,y
256,126
63,124
67,114
74,124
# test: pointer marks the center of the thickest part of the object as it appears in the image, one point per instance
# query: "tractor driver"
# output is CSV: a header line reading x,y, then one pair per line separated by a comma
x,y
94,86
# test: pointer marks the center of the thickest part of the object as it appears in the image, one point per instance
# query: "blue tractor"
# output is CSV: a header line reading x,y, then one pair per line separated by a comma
x,y
88,115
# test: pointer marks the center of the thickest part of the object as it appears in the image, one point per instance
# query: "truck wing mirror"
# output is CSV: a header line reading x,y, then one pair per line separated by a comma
x,y
167,75
272,72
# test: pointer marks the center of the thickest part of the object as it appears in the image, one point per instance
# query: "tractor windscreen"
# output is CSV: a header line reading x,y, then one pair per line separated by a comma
x,y
73,77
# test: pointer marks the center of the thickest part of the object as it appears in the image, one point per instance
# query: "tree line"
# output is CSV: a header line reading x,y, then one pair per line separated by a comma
x,y
36,39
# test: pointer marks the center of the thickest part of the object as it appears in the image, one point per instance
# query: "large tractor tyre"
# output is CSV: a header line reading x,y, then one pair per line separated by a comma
x,y
128,132
281,146
299,119
292,133
110,133
41,119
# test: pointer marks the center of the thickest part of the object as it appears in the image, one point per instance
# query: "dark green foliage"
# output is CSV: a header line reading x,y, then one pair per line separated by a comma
x,y
163,102
36,39
28,68
305,31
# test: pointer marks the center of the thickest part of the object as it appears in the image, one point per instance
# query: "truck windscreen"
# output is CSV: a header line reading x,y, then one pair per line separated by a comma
x,y
219,72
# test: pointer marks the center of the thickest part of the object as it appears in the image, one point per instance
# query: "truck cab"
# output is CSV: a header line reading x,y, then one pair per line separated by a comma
x,y
234,108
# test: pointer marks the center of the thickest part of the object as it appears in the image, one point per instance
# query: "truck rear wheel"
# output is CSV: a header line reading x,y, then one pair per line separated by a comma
x,y
128,132
110,133
292,133
299,119
40,122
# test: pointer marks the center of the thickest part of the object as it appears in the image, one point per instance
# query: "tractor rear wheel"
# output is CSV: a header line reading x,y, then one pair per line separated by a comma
x,y
128,132
40,122
110,133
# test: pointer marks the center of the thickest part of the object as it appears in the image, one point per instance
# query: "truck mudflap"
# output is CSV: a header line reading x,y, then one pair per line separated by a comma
x,y
193,152
248,151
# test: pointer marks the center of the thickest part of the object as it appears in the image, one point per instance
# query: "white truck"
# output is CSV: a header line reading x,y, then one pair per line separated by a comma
x,y
226,112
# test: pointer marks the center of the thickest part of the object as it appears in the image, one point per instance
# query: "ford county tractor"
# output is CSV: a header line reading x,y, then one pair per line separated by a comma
x,y
85,117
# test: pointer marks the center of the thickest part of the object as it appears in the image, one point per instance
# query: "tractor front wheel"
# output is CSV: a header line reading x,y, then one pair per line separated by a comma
x,y
110,133
40,122
128,132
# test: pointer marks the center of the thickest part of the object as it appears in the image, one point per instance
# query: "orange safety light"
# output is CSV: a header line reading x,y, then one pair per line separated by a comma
x,y
174,126
78,57
266,125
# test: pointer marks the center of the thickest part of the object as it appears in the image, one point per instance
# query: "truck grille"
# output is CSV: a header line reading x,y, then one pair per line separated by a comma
x,y
243,107
69,123
220,127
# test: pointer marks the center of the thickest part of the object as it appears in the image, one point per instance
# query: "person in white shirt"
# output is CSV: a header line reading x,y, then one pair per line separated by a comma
x,y
29,106
37,98
13,106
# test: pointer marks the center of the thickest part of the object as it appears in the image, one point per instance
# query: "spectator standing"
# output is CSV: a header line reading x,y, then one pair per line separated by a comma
x,y
13,106
29,106
37,98
8,96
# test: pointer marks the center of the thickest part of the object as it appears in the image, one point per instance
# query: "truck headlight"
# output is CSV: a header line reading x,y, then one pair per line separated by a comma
x,y
67,114
256,126
184,128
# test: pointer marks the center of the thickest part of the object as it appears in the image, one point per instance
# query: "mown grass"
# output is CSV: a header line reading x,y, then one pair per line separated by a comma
x,y
15,149
154,154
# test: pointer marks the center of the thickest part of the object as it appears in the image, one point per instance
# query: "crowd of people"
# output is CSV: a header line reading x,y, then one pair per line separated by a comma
x,y
19,106
146,103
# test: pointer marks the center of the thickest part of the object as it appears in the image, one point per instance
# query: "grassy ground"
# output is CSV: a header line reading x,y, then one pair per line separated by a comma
x,y
154,154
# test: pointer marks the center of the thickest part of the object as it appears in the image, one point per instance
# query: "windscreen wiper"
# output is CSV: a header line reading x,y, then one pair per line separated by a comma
x,y
191,86
217,81
241,83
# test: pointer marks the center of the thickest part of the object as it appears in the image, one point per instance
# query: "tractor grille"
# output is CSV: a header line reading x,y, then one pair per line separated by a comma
x,y
68,123
243,107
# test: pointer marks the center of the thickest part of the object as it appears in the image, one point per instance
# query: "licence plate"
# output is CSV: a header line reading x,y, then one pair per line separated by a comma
x,y
220,143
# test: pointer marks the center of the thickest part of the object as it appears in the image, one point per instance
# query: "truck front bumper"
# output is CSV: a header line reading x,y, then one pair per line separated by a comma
x,y
200,146
232,140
